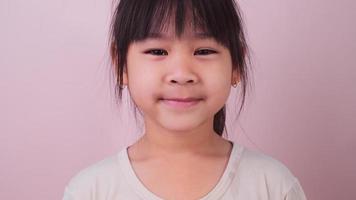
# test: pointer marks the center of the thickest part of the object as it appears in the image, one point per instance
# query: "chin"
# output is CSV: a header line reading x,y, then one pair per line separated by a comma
x,y
184,125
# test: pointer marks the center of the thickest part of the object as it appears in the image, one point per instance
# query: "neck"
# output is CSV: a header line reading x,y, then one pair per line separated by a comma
x,y
160,141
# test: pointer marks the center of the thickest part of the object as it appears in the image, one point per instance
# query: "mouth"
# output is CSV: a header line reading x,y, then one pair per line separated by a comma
x,y
181,102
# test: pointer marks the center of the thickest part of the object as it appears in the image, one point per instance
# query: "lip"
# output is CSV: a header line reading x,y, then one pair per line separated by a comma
x,y
181,102
187,99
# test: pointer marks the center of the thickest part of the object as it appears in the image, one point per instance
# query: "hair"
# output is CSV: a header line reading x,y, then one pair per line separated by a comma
x,y
134,20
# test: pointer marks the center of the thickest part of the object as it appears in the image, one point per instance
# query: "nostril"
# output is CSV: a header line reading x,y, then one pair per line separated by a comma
x,y
188,81
183,80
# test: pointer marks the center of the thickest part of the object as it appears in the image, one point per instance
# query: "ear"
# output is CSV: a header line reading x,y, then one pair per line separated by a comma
x,y
235,77
125,78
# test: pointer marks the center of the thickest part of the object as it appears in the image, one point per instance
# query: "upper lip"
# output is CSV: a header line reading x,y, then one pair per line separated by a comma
x,y
186,99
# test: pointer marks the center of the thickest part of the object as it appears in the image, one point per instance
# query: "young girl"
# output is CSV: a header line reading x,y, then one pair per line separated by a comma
x,y
178,60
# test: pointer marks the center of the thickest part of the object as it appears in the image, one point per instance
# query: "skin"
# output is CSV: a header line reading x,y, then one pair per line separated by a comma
x,y
179,140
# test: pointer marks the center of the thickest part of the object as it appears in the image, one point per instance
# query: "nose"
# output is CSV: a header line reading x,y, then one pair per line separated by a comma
x,y
182,71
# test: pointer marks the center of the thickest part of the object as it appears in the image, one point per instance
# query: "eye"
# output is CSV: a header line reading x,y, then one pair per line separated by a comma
x,y
157,52
205,52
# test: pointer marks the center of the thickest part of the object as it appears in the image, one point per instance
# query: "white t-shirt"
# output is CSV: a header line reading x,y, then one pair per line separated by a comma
x,y
248,176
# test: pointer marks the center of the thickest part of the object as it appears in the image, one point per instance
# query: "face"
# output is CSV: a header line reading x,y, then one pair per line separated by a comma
x,y
179,83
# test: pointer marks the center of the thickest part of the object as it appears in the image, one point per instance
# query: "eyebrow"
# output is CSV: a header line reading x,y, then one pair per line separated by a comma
x,y
199,35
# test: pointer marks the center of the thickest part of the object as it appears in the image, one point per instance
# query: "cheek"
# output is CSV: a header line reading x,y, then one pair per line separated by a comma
x,y
142,82
219,76
219,83
220,88
137,71
142,79
140,90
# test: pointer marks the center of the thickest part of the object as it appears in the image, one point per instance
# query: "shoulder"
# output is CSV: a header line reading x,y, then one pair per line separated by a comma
x,y
260,163
101,170
265,174
94,179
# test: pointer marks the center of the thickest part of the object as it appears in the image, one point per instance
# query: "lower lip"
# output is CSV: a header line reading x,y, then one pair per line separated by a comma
x,y
180,104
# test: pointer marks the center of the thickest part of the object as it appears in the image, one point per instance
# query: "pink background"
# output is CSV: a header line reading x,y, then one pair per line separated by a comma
x,y
57,105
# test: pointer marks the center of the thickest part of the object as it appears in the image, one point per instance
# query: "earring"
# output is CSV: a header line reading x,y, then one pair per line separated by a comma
x,y
234,85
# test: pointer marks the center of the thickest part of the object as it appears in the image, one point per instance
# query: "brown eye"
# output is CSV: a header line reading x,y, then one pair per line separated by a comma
x,y
204,52
157,52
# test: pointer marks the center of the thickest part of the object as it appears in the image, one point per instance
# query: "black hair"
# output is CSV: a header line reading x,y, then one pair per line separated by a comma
x,y
134,20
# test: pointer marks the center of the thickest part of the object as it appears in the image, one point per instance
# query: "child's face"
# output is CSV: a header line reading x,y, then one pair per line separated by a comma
x,y
165,67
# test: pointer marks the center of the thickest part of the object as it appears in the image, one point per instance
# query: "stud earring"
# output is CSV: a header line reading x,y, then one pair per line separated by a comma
x,y
234,85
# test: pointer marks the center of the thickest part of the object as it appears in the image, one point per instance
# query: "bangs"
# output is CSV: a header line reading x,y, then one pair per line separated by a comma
x,y
145,18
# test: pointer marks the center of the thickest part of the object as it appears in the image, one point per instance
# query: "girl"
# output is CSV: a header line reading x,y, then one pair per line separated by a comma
x,y
178,60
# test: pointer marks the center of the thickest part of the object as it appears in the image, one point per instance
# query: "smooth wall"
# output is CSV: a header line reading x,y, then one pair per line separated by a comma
x,y
58,113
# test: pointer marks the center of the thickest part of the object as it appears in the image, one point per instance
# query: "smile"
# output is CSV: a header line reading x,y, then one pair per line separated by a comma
x,y
180,103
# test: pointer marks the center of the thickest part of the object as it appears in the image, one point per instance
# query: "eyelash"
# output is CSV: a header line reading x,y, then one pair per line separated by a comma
x,y
157,52
162,52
